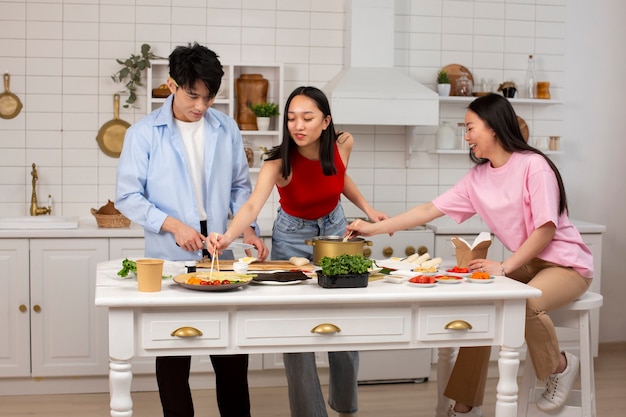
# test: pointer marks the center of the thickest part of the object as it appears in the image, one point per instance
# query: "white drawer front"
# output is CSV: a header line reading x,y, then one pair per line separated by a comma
x,y
294,326
157,328
433,322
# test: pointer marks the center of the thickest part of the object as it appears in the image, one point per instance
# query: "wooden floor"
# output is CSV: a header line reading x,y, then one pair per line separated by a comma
x,y
385,400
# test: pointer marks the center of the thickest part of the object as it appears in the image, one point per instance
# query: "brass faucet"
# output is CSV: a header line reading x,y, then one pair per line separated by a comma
x,y
34,209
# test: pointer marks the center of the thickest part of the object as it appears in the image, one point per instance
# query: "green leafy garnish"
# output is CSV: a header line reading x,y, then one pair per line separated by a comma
x,y
127,267
345,264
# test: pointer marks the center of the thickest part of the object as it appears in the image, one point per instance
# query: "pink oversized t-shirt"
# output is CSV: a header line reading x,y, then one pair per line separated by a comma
x,y
515,199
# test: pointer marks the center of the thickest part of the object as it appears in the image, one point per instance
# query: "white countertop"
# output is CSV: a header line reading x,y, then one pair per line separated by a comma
x,y
88,228
474,225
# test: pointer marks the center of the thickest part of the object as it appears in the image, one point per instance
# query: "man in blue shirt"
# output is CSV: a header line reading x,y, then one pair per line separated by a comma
x,y
181,170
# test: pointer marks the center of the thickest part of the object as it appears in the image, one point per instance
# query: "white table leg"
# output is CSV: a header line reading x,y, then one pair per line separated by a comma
x,y
120,379
445,363
506,395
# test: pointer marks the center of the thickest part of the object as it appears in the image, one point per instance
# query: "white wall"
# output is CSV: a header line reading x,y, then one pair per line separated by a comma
x,y
61,55
594,169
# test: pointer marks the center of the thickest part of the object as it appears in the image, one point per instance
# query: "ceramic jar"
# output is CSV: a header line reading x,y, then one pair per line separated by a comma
x,y
543,90
446,136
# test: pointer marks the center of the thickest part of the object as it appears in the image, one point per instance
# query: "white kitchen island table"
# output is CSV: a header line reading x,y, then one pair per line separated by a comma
x,y
306,317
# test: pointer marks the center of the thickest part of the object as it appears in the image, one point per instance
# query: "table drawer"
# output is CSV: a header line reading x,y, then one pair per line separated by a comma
x,y
437,323
204,329
295,326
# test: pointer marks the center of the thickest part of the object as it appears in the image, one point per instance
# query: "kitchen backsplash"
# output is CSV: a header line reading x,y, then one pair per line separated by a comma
x,y
61,55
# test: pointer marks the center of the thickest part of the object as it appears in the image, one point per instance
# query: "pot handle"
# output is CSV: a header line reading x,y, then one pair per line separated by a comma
x,y
309,242
368,243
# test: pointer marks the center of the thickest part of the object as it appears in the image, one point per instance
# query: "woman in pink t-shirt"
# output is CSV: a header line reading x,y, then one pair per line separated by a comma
x,y
519,194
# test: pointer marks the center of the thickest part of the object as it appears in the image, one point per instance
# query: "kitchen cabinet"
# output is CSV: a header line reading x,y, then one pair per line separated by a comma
x,y
226,100
130,247
52,325
66,329
14,299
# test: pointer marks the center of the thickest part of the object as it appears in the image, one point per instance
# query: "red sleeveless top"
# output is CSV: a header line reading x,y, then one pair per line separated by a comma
x,y
310,194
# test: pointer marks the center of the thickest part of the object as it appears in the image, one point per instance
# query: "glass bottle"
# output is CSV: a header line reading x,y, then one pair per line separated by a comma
x,y
460,132
531,79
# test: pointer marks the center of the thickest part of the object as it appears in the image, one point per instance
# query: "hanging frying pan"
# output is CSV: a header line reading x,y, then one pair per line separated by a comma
x,y
111,134
10,104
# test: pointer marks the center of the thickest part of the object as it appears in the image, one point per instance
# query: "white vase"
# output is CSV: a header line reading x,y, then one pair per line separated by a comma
x,y
446,136
263,123
443,89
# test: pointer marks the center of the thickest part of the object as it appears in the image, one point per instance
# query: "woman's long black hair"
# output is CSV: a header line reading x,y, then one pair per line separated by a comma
x,y
498,113
327,139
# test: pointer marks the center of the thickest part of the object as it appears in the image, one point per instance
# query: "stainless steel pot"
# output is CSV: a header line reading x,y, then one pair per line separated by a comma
x,y
333,246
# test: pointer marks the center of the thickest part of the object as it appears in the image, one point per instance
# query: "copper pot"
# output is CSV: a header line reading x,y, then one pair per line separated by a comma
x,y
333,246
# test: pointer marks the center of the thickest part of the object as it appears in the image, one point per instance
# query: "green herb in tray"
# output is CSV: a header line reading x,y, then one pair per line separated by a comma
x,y
345,265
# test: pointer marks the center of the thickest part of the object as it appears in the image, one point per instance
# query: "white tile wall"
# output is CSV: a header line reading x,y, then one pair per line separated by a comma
x,y
61,55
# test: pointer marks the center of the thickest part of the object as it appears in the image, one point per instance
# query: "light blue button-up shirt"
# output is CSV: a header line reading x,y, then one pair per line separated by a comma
x,y
153,178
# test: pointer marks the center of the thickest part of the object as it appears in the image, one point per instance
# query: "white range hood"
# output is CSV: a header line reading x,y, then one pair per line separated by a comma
x,y
369,90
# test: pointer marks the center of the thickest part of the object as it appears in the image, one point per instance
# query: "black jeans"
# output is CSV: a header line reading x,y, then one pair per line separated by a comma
x,y
231,382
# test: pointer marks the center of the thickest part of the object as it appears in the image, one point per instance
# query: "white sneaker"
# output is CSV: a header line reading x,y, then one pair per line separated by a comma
x,y
558,386
473,412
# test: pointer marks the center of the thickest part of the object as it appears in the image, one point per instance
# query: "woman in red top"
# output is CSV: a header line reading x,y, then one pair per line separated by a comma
x,y
309,171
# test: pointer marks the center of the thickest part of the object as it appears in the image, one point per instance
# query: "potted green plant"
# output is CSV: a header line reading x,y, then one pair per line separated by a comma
x,y
443,83
344,271
132,69
263,113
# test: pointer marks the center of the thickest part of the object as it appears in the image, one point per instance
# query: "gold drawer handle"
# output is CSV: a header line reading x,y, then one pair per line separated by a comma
x,y
186,331
458,325
325,328
23,308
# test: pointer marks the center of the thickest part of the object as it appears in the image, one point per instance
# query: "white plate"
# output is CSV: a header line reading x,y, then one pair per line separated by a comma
x,y
299,281
374,270
449,281
394,280
182,281
457,274
481,281
415,284
240,245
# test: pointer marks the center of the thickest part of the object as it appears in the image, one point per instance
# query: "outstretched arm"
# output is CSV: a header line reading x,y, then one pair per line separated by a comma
x,y
351,191
416,216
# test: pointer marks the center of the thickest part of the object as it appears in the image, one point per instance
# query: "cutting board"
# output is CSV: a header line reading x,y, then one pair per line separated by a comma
x,y
259,266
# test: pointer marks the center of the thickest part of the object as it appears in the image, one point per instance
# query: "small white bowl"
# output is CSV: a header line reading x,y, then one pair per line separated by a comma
x,y
240,267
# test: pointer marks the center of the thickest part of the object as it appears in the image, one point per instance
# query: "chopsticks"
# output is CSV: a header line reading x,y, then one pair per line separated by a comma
x,y
214,257
347,237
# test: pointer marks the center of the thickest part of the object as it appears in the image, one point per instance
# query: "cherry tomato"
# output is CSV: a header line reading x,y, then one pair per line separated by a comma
x,y
225,282
203,282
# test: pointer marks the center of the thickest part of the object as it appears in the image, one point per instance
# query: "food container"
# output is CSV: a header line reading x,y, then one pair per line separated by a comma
x,y
333,246
342,281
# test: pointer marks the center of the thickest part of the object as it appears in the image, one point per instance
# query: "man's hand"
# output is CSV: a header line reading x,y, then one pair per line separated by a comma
x,y
186,237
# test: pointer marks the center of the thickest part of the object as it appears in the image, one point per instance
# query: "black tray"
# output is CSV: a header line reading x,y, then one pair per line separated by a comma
x,y
342,281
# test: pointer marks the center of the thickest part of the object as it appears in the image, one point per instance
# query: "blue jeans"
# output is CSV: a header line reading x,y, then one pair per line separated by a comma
x,y
305,394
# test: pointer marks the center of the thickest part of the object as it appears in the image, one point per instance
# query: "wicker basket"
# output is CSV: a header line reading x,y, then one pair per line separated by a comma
x,y
110,220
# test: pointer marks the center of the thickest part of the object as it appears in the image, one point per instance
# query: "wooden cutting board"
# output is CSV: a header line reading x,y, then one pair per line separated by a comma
x,y
260,266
